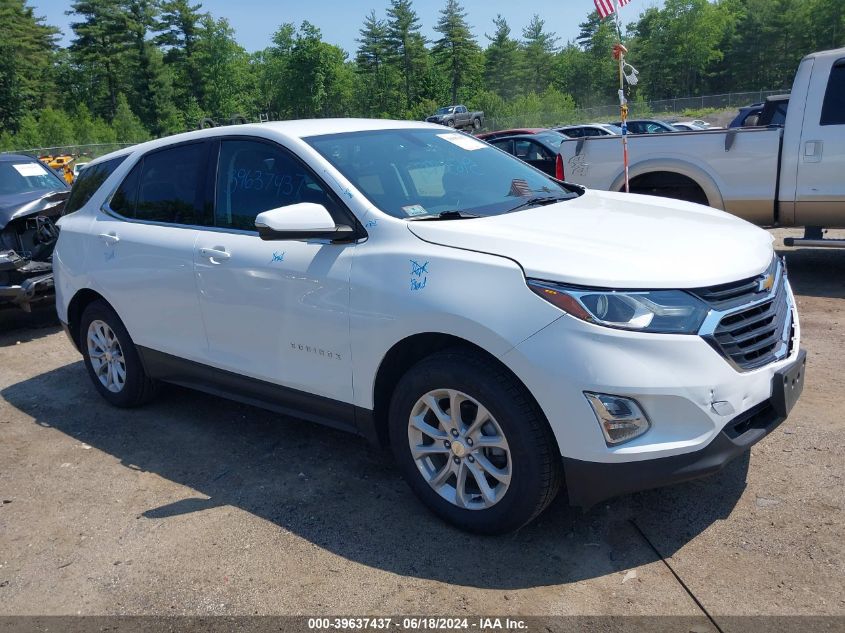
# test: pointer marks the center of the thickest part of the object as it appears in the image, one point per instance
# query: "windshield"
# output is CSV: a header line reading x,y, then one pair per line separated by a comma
x,y
25,176
445,110
417,173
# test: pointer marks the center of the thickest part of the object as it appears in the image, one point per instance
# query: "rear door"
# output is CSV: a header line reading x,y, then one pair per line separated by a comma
x,y
820,195
140,255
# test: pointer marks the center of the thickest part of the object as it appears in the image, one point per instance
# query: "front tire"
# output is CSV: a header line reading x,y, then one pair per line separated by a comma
x,y
111,358
472,444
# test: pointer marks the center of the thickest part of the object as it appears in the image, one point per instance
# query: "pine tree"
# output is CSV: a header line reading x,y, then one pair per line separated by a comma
x,y
100,45
501,61
456,51
406,44
371,62
179,24
26,48
538,48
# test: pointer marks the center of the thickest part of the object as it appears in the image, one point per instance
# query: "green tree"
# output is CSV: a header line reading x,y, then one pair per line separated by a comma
x,y
501,61
226,73
538,49
379,80
178,25
406,45
99,48
127,127
456,51
26,49
151,89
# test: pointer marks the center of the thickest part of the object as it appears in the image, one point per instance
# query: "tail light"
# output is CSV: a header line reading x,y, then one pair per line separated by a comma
x,y
559,167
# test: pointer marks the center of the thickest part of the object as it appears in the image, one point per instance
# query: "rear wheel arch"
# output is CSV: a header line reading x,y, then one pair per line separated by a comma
x,y
671,174
81,300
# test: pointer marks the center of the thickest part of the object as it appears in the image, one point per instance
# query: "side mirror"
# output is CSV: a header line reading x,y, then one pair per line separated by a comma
x,y
300,221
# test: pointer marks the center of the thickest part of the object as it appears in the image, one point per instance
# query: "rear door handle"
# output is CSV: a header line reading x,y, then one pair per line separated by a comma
x,y
109,238
214,254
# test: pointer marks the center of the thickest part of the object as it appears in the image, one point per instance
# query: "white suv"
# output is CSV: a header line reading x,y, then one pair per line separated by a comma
x,y
501,331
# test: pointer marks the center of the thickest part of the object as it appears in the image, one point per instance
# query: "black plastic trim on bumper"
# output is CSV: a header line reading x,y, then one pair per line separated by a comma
x,y
30,290
589,483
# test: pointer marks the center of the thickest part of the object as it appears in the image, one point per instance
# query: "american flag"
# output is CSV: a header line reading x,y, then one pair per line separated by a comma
x,y
606,7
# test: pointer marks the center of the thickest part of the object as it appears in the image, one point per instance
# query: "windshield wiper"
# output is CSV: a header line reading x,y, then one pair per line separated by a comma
x,y
448,215
537,201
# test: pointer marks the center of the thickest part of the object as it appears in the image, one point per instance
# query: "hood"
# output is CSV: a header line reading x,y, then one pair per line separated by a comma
x,y
615,240
13,206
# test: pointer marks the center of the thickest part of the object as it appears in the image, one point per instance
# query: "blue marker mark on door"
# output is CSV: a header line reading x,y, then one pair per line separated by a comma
x,y
278,257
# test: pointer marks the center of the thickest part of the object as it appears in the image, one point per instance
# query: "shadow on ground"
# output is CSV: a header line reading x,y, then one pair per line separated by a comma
x,y
335,491
816,272
17,326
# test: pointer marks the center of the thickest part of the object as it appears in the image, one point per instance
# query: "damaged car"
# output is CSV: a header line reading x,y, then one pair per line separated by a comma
x,y
32,198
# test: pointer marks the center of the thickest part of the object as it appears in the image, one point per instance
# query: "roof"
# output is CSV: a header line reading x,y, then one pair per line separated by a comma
x,y
299,128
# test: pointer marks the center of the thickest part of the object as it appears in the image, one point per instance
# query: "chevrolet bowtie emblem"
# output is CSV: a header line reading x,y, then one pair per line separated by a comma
x,y
766,283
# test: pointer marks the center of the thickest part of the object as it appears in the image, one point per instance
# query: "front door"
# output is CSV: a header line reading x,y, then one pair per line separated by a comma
x,y
277,311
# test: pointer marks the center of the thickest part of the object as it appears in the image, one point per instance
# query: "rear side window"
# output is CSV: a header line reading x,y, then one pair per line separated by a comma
x,y
167,186
833,108
253,177
89,181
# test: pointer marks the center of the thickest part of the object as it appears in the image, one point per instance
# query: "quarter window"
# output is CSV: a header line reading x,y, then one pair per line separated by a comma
x,y
253,177
833,109
89,181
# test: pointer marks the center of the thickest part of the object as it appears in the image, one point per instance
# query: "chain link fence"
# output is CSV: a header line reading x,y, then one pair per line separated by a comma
x,y
692,107
82,152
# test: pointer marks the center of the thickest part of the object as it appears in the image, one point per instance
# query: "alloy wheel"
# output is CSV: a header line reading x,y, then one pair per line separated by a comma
x,y
460,449
106,356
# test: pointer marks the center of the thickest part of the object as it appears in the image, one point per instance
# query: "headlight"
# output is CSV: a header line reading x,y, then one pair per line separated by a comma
x,y
658,311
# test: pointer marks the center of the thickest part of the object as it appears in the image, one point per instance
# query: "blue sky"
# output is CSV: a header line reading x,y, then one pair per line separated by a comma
x,y
255,21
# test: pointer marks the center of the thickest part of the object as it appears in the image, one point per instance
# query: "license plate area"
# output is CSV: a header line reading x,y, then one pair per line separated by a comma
x,y
787,385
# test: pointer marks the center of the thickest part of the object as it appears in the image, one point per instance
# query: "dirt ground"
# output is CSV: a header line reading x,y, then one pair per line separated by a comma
x,y
196,505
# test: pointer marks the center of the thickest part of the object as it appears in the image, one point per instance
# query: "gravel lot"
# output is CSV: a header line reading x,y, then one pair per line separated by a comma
x,y
196,505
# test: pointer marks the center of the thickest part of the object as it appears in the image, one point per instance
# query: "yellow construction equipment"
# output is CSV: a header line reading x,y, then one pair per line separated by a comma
x,y
62,163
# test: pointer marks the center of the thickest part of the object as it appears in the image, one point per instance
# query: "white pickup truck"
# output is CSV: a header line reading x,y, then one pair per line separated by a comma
x,y
775,176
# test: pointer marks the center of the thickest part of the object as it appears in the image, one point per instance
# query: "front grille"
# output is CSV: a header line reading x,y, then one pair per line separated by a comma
x,y
736,293
759,333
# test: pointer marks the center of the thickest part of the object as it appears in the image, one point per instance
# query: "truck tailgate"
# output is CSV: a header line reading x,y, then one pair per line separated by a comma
x,y
737,169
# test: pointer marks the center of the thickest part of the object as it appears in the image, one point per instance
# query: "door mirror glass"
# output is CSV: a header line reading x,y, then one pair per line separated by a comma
x,y
302,220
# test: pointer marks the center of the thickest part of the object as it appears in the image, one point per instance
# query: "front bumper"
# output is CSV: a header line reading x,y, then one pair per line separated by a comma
x,y
588,483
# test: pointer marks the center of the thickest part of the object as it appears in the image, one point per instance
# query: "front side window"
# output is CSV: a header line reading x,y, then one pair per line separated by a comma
x,y
253,177
833,108
417,172
89,181
167,186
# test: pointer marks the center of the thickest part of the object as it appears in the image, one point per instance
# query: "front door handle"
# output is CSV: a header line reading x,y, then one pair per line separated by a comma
x,y
109,238
215,255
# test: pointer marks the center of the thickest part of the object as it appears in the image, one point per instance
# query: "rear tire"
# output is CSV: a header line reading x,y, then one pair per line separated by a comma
x,y
476,124
511,464
111,358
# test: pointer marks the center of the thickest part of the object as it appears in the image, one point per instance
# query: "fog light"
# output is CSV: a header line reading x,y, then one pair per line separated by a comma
x,y
620,419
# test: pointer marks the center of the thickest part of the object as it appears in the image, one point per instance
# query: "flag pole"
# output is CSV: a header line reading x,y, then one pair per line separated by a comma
x,y
619,54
